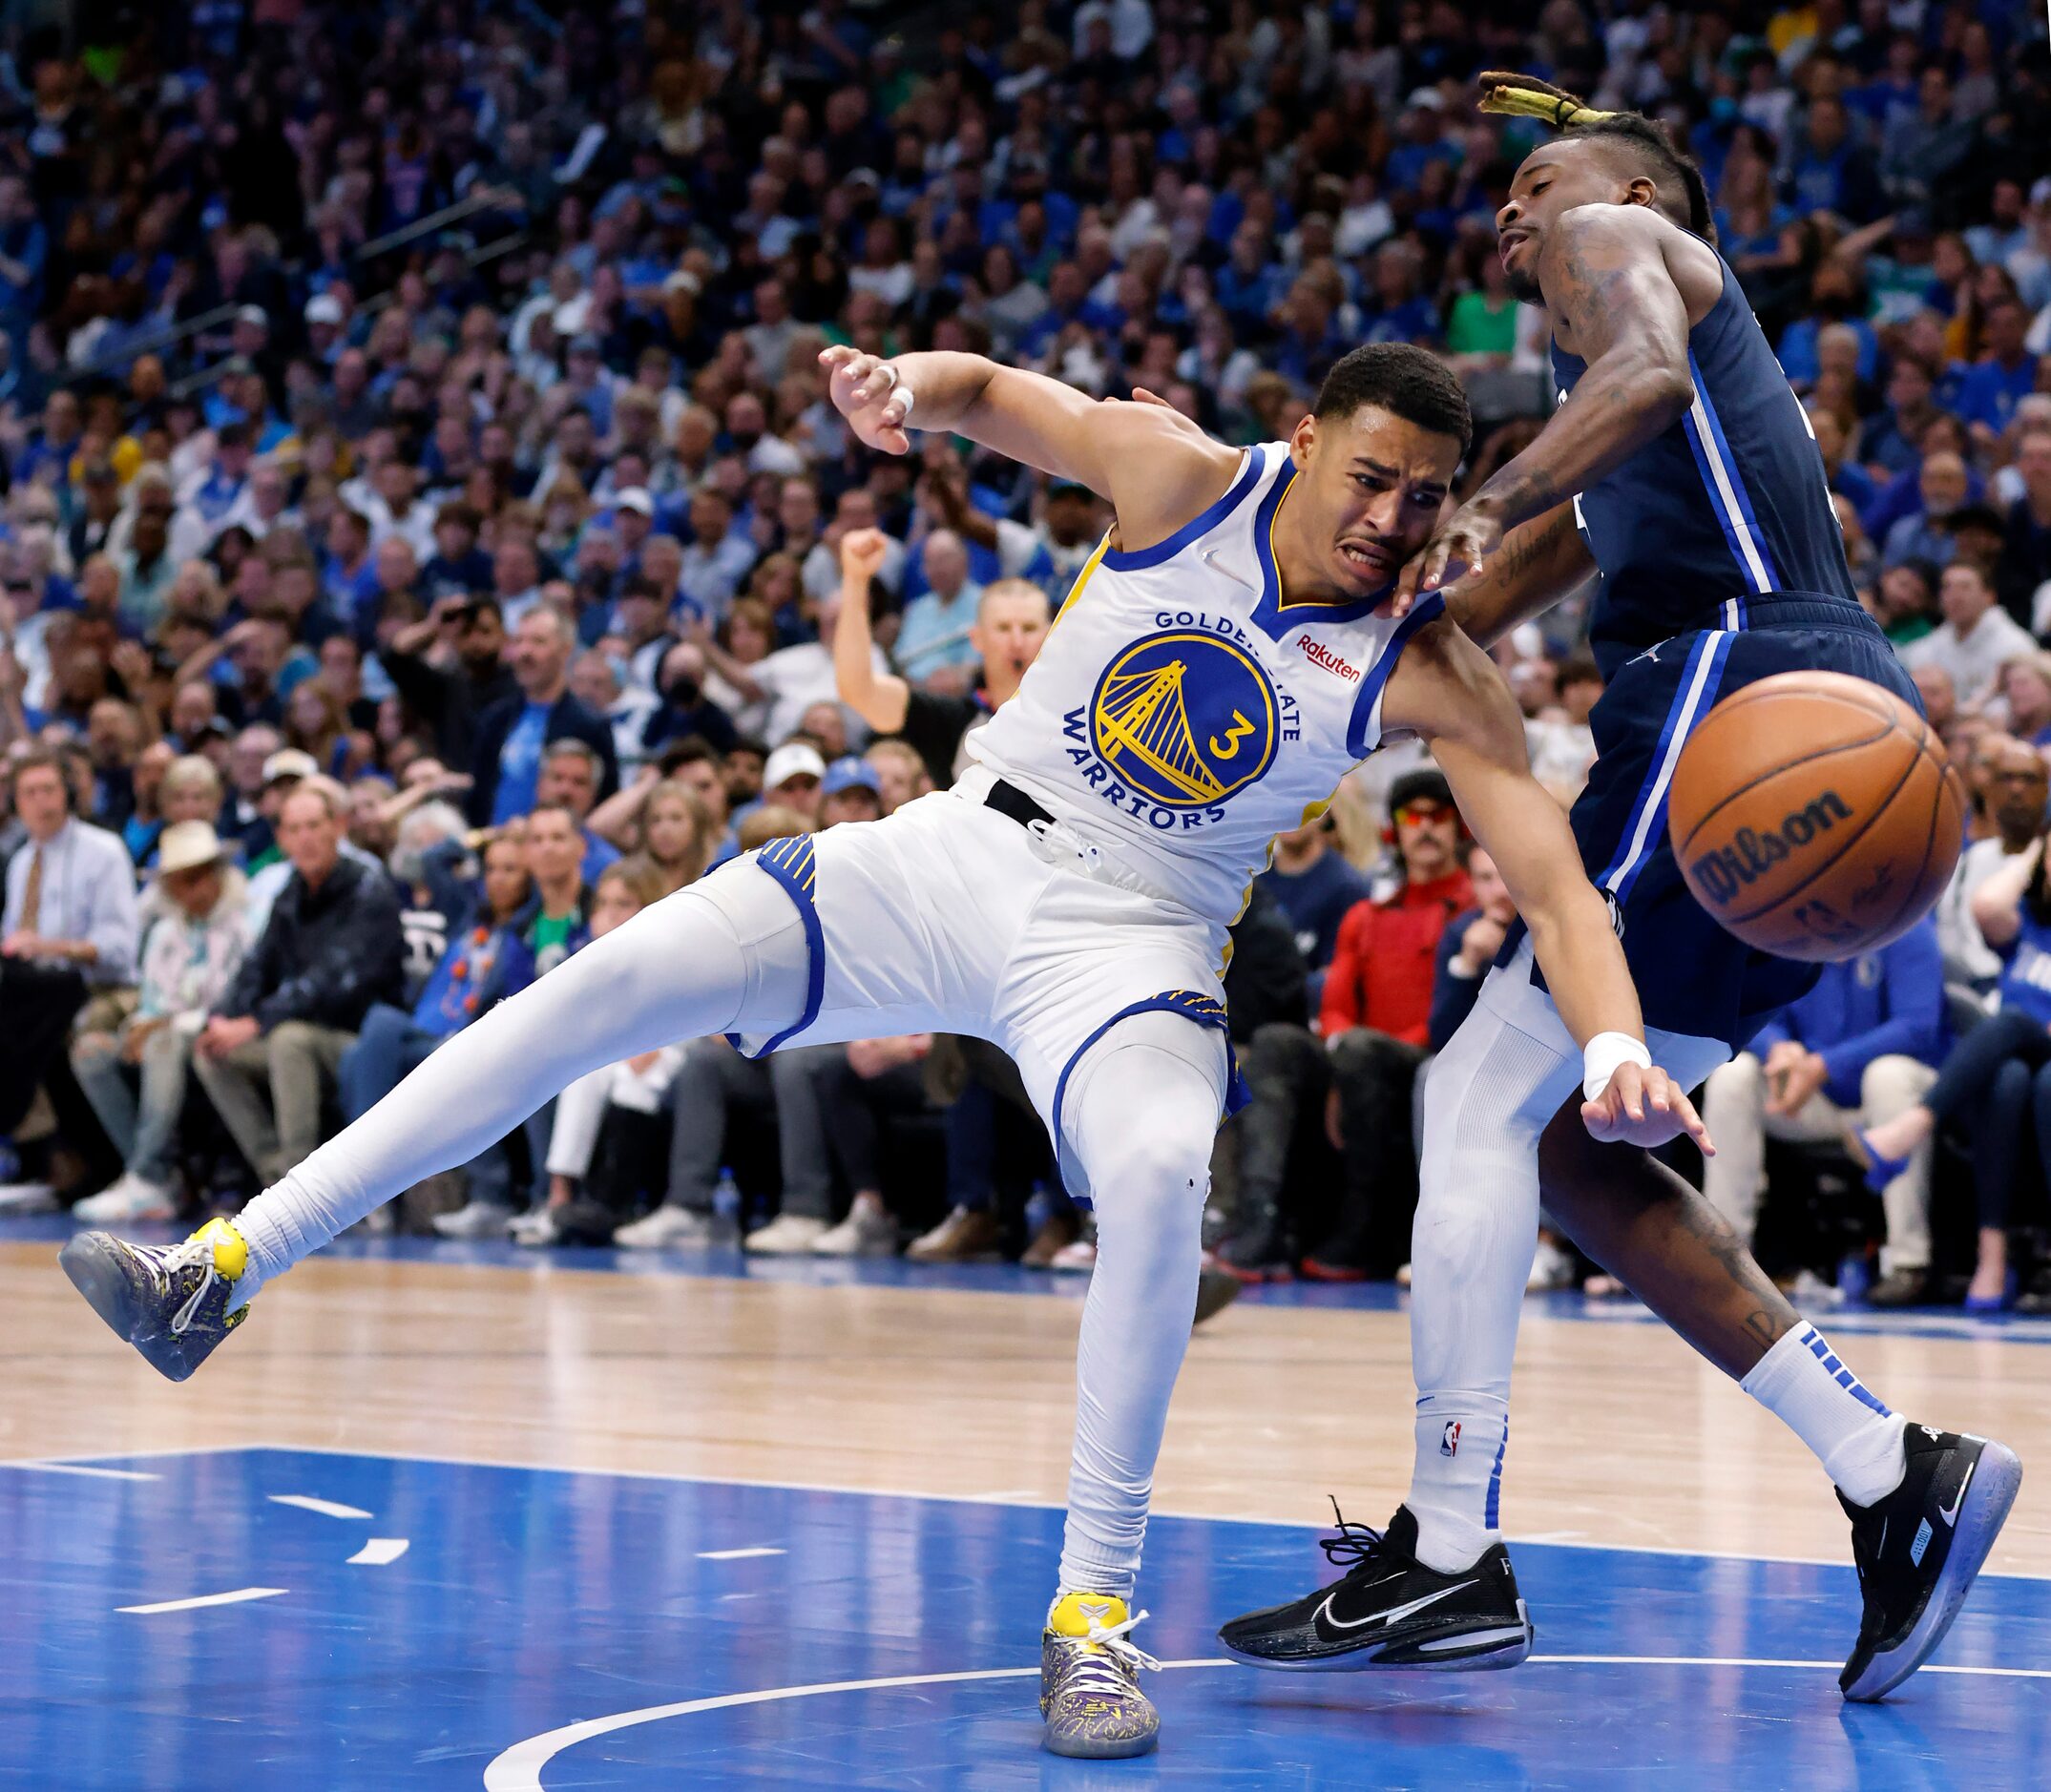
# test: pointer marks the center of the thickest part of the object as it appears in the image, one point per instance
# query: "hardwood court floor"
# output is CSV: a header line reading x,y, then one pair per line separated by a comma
x,y
457,1516
1620,1436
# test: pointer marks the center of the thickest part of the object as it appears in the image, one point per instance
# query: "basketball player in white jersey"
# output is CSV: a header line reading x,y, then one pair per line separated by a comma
x,y
1215,669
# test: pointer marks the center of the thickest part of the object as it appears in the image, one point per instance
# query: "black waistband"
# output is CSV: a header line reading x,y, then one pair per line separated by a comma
x,y
1009,800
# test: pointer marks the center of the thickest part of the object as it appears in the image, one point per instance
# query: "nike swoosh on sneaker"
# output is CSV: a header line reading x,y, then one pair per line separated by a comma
x,y
1950,1514
1394,1614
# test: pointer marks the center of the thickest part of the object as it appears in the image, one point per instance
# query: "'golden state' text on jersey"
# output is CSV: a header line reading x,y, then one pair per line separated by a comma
x,y
1184,711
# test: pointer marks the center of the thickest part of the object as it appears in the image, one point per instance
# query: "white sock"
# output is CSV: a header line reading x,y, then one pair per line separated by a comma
x,y
1858,1441
1456,1488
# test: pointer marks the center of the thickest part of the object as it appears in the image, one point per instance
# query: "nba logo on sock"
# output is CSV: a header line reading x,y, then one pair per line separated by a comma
x,y
1449,1443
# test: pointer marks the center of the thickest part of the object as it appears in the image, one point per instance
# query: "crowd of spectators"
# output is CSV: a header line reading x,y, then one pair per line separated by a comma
x,y
426,539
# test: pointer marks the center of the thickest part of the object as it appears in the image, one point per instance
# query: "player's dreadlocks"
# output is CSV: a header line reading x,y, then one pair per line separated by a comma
x,y
1526,96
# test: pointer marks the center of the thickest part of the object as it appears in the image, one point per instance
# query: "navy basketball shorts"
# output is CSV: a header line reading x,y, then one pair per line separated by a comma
x,y
1692,976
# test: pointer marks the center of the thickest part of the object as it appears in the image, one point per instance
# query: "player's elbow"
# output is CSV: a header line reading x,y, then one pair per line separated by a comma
x,y
1663,387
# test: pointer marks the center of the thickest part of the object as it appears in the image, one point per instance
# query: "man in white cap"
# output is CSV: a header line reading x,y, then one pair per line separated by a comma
x,y
196,933
792,779
324,318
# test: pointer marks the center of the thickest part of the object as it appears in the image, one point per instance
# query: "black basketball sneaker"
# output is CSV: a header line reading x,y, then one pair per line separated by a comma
x,y
1391,1611
1918,1549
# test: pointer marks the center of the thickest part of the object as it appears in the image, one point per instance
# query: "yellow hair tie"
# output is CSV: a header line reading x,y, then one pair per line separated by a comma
x,y
1524,96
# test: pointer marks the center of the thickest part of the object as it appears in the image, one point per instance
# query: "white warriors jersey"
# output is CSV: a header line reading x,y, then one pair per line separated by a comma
x,y
1184,712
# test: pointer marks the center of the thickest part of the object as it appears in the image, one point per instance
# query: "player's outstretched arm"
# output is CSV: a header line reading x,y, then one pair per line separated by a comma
x,y
1613,298
1157,468
1445,690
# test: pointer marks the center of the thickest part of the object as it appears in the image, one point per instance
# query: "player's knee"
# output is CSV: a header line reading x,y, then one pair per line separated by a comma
x,y
1565,1158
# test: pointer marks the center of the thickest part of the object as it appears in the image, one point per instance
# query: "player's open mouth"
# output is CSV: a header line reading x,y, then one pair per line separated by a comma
x,y
1507,244
1374,562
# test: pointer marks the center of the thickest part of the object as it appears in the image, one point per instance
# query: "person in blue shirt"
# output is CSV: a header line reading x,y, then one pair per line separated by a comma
x,y
1992,386
475,971
1861,1048
1314,885
1998,1078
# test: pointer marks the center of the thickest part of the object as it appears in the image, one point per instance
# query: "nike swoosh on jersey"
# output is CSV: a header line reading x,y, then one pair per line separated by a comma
x,y
1394,1614
1950,1514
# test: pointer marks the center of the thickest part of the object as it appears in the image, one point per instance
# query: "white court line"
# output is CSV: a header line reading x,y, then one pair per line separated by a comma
x,y
733,1555
80,1467
237,1598
380,1550
328,1509
519,1768
984,1499
1551,1541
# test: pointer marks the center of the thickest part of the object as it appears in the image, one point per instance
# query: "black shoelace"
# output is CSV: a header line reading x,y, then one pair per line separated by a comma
x,y
1355,1546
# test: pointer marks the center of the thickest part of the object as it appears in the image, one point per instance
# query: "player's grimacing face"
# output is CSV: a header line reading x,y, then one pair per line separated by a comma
x,y
1374,484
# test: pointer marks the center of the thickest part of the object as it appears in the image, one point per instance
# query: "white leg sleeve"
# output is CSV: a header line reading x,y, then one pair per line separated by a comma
x,y
1489,1096
1142,1119
1490,1093
726,955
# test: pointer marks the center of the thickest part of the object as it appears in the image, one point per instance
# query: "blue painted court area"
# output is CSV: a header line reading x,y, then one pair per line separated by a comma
x,y
488,1608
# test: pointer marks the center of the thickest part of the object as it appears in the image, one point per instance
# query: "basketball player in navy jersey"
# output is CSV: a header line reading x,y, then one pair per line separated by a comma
x,y
1681,468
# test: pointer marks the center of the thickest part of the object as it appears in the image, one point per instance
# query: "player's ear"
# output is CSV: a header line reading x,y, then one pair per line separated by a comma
x,y
1303,439
1642,191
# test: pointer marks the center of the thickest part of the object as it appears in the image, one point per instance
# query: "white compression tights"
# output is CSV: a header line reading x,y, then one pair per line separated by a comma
x,y
1487,1097
1141,1116
726,955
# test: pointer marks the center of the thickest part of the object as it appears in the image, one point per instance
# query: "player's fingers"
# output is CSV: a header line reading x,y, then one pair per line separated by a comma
x,y
1398,602
1691,1123
893,441
1141,396
1437,555
894,411
838,355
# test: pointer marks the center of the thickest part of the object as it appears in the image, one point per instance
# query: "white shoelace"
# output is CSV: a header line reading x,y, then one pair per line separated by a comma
x,y
1104,1652
165,1260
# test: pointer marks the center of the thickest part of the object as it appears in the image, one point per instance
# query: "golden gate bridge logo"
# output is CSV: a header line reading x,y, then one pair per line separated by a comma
x,y
1185,719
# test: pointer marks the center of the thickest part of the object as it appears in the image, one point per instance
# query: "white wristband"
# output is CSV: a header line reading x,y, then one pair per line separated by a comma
x,y
1600,1057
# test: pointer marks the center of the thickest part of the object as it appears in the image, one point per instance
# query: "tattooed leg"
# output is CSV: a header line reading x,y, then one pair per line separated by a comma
x,y
1656,1236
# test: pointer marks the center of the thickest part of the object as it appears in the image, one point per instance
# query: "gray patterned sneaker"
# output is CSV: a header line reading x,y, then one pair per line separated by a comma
x,y
1089,1673
169,1300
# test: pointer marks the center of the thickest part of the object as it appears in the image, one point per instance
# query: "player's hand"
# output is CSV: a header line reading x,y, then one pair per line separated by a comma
x,y
1643,1107
864,392
862,551
1459,546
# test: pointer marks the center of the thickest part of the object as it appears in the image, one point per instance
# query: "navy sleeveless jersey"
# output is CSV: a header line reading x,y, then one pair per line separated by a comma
x,y
1729,503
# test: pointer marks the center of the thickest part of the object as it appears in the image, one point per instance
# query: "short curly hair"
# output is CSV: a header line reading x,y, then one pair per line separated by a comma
x,y
1405,381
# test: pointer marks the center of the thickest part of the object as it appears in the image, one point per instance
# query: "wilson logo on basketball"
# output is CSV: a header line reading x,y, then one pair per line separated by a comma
x,y
1722,871
1326,660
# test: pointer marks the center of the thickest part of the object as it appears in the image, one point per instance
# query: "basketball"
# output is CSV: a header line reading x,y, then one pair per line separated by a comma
x,y
1815,814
